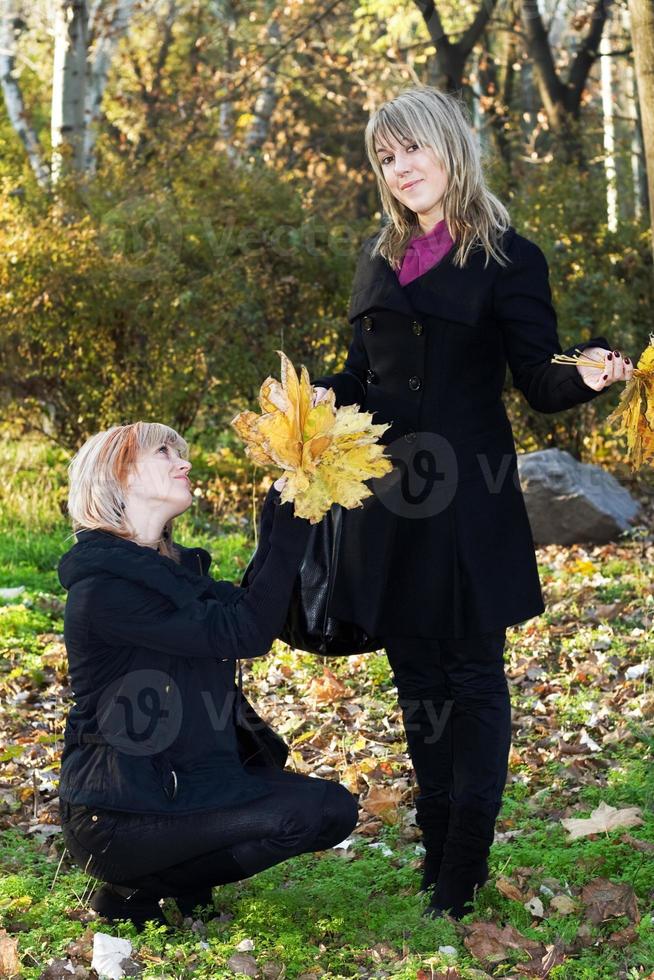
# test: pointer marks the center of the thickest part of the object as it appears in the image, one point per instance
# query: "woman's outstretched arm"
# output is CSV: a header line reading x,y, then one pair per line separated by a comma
x,y
242,624
524,311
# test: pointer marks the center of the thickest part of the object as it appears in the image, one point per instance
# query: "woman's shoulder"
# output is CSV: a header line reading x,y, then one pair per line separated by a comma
x,y
197,560
520,248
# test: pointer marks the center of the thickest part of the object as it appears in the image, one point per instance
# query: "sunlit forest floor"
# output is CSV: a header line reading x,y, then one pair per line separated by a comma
x,y
554,906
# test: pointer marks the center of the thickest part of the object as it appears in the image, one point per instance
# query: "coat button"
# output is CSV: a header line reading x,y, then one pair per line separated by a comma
x,y
417,328
410,436
371,377
415,383
367,323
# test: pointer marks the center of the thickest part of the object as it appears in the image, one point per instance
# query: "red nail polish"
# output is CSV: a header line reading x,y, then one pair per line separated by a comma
x,y
609,357
605,377
617,353
627,361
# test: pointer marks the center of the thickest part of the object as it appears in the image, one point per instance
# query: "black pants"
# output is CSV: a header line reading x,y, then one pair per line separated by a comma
x,y
171,855
457,716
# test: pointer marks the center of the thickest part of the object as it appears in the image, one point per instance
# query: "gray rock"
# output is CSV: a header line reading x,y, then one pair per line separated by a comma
x,y
573,503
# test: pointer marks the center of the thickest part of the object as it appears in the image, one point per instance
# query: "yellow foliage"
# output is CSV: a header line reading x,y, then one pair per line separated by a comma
x,y
326,453
634,414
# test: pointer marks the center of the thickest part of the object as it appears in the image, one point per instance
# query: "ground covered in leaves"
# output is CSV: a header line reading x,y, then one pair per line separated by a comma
x,y
572,869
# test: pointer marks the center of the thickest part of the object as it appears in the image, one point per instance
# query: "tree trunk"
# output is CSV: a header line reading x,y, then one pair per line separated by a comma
x,y
608,129
642,33
266,100
69,87
634,133
446,70
103,46
562,100
9,26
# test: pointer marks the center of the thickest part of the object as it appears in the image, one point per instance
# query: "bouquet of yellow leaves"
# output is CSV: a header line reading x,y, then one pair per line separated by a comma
x,y
635,411
634,414
326,453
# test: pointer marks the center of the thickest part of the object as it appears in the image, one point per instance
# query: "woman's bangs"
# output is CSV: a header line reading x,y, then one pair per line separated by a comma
x,y
391,126
155,434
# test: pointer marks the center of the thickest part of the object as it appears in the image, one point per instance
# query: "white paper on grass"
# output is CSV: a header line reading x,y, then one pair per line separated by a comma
x,y
108,953
12,593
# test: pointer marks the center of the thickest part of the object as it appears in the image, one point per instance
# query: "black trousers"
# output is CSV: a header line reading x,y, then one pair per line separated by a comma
x,y
174,855
457,716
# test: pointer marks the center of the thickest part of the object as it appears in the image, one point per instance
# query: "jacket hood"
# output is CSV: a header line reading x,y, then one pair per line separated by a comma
x,y
102,553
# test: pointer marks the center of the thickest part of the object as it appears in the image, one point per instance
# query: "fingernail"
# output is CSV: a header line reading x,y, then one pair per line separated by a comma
x,y
605,377
627,361
609,357
617,353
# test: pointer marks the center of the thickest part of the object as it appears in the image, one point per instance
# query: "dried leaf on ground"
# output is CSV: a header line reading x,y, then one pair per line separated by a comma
x,y
602,819
606,899
490,943
383,802
9,959
327,688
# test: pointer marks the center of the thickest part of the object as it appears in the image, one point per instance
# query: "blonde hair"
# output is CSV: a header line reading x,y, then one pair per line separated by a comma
x,y
98,478
475,217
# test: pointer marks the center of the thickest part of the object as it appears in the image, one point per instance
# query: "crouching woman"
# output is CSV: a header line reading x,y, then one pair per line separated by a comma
x,y
159,792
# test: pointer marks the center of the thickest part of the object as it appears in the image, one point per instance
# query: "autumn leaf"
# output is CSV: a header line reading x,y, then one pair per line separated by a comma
x,y
383,803
10,965
490,943
602,819
326,453
606,899
327,688
634,414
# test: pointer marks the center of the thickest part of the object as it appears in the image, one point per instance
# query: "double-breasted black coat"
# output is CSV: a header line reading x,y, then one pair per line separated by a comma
x,y
443,548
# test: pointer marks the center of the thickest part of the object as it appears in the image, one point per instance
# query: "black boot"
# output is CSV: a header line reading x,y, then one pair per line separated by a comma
x,y
432,816
464,867
188,900
119,902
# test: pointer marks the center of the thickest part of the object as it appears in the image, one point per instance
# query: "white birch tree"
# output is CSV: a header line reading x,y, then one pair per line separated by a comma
x,y
85,35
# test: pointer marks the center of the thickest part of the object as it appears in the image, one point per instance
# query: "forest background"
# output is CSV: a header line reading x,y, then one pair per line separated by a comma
x,y
183,191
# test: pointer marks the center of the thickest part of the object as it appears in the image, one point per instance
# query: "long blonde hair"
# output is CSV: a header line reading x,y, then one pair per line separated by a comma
x,y
475,217
98,477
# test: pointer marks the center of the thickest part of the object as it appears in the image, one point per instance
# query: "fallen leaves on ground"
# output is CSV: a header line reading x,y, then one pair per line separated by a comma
x,y
602,819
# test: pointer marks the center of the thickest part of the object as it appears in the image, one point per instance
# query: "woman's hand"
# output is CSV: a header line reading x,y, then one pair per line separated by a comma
x,y
614,367
318,395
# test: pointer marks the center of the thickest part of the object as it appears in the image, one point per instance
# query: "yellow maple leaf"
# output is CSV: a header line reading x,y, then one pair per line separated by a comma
x,y
326,453
634,415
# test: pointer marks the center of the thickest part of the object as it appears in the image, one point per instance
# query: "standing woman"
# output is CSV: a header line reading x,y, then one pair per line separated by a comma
x,y
440,560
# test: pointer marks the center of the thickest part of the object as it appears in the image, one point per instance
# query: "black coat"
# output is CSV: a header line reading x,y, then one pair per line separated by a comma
x,y
151,647
444,547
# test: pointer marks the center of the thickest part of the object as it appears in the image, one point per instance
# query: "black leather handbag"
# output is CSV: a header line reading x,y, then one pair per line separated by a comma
x,y
309,626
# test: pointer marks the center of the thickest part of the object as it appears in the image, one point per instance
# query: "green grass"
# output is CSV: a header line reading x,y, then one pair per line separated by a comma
x,y
326,915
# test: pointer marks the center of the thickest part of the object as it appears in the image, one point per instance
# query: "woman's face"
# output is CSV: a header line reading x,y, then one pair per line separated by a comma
x,y
161,478
415,177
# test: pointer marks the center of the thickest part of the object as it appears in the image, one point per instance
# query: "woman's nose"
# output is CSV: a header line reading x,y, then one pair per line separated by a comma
x,y
402,166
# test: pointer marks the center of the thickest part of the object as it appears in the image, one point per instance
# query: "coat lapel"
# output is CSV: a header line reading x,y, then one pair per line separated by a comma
x,y
444,291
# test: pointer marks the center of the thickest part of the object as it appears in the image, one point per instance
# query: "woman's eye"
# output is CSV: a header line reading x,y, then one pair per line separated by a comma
x,y
163,449
413,146
386,160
